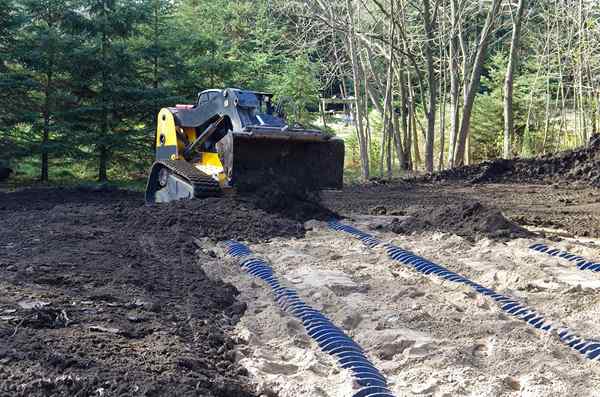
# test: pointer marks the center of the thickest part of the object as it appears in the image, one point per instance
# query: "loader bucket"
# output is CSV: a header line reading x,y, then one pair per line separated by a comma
x,y
310,163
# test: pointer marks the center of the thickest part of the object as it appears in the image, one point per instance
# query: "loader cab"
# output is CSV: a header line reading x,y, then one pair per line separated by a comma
x,y
256,109
205,97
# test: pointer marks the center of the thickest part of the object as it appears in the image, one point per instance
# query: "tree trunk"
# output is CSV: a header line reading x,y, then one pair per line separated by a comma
x,y
48,91
102,176
400,151
582,29
103,163
432,83
406,164
413,130
473,87
443,124
47,115
509,124
360,131
454,84
444,89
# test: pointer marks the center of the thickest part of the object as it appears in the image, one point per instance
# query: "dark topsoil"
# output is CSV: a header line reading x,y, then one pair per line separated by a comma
x,y
580,166
556,195
493,210
102,295
421,207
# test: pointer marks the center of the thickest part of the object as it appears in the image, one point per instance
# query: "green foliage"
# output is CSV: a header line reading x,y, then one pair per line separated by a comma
x,y
353,152
226,44
487,124
81,81
13,82
108,116
94,73
297,89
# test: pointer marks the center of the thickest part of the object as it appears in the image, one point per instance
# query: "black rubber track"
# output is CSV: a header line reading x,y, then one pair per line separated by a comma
x,y
204,185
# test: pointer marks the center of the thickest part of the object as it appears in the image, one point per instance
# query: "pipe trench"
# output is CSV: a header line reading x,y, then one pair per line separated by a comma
x,y
330,339
580,262
590,349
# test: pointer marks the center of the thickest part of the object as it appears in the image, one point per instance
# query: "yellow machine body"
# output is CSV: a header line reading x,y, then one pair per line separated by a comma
x,y
170,145
236,139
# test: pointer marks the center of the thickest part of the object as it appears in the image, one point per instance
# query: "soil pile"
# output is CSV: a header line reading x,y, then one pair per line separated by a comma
x,y
284,196
255,217
421,207
581,165
47,198
218,218
469,219
102,294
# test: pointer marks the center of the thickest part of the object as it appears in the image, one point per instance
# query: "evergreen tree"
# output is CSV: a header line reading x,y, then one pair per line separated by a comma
x,y
255,36
43,50
105,82
159,65
12,82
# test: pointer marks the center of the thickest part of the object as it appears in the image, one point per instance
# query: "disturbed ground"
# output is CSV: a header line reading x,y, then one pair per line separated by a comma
x,y
553,194
580,166
428,337
498,210
103,295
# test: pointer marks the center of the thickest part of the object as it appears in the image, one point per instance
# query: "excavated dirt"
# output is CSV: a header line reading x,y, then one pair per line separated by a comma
x,y
284,195
553,209
423,207
554,195
469,219
579,166
101,294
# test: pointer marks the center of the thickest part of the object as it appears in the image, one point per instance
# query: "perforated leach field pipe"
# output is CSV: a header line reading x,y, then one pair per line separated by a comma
x,y
581,262
329,338
588,348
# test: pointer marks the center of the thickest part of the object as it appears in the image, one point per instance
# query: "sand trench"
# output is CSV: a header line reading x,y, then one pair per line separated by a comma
x,y
427,337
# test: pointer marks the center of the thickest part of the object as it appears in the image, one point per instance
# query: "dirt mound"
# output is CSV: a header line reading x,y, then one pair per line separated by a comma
x,y
119,304
46,198
579,166
219,218
421,207
469,219
252,217
284,196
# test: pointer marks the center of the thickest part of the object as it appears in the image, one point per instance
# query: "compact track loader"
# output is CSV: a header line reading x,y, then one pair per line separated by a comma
x,y
234,140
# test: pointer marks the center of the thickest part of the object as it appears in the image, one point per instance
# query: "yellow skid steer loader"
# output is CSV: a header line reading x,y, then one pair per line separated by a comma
x,y
234,140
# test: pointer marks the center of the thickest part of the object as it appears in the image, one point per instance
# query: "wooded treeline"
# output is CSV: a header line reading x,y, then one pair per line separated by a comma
x,y
455,81
81,81
436,83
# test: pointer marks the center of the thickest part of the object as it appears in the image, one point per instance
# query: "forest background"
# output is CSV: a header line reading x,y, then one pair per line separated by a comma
x,y
433,83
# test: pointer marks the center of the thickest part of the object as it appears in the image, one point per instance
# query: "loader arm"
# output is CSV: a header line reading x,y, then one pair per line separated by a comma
x,y
234,138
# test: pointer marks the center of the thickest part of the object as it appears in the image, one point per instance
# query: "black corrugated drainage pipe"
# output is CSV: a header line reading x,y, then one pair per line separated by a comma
x,y
581,262
329,337
588,348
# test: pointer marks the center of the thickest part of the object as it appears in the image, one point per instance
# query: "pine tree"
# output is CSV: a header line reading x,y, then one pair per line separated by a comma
x,y
12,81
159,64
105,82
43,50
